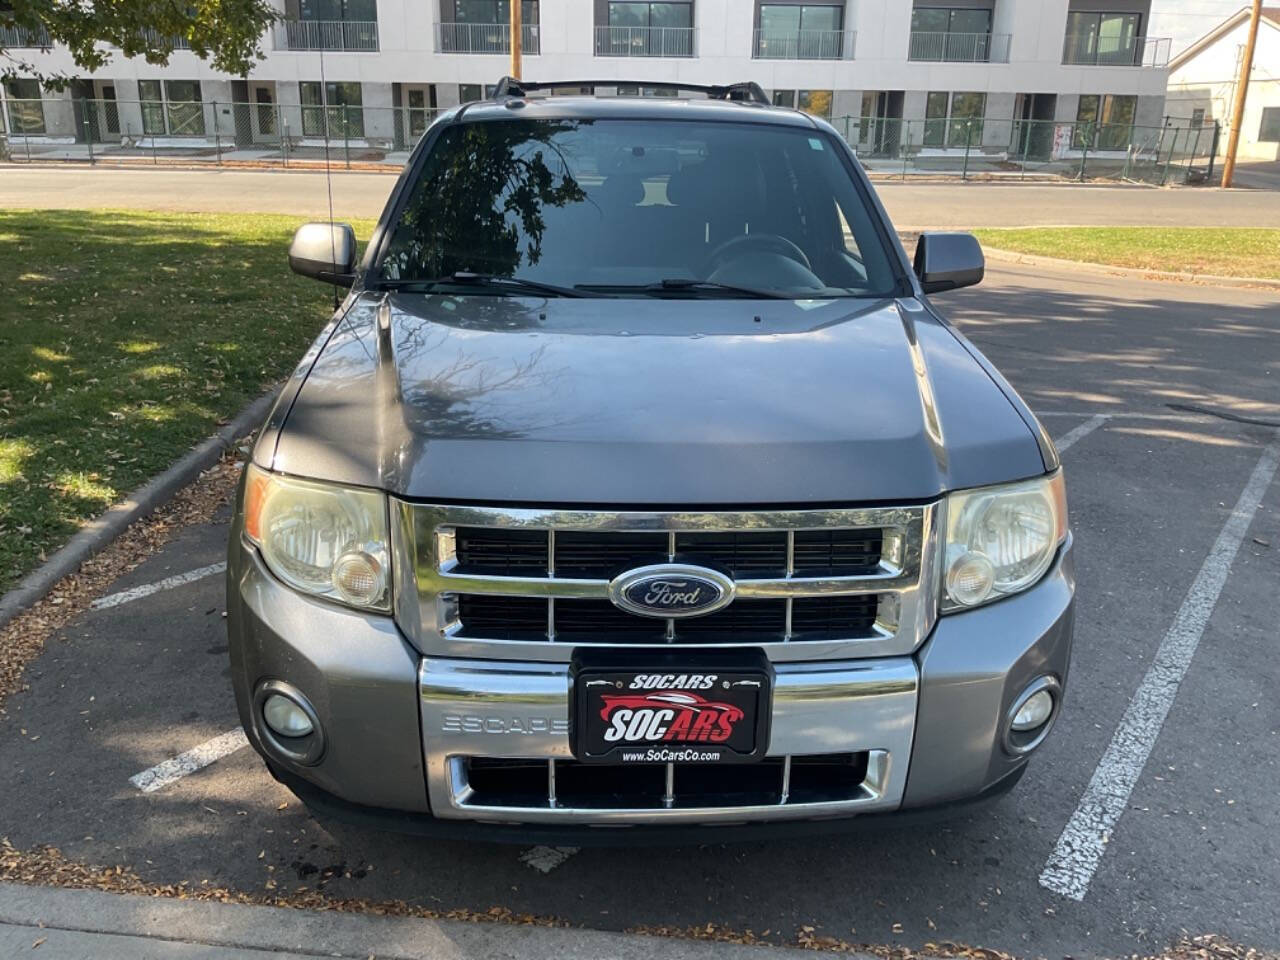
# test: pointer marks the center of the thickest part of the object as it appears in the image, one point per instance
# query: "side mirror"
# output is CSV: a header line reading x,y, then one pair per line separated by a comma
x,y
324,251
947,261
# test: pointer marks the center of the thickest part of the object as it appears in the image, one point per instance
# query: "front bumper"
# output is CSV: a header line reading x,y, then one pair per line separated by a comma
x,y
400,728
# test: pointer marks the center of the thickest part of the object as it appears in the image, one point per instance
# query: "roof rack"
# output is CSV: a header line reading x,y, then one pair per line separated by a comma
x,y
748,92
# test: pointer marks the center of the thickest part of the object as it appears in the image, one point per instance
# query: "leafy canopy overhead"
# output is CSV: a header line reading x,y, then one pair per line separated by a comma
x,y
224,32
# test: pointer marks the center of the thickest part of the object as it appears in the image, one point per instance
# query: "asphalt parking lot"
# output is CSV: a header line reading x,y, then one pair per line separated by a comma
x,y
1151,810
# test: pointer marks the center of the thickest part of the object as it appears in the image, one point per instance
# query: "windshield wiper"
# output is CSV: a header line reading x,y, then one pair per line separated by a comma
x,y
467,278
683,285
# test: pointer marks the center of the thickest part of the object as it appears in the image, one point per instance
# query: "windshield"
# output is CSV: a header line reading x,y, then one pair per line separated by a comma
x,y
612,207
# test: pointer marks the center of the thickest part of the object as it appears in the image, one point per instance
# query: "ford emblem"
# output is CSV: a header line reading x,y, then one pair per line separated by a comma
x,y
671,590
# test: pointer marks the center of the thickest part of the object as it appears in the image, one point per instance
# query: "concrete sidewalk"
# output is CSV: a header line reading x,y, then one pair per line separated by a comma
x,y
62,924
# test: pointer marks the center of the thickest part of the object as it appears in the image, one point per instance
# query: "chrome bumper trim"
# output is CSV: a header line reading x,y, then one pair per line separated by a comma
x,y
478,708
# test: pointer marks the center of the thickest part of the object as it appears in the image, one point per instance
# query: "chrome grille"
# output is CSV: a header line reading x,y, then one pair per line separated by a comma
x,y
533,584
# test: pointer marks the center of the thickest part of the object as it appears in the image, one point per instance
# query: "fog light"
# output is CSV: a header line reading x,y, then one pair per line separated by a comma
x,y
970,578
358,578
285,717
1032,714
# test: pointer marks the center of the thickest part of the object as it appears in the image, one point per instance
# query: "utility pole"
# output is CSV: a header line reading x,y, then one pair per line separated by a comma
x,y
1242,91
517,36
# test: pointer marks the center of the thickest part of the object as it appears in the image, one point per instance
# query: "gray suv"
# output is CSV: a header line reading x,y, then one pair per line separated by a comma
x,y
637,483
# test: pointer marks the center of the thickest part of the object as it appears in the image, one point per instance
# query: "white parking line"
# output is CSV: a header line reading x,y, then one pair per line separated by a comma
x,y
1080,432
168,583
1075,859
546,859
197,758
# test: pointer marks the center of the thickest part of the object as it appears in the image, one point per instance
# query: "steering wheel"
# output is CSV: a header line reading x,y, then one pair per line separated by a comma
x,y
765,242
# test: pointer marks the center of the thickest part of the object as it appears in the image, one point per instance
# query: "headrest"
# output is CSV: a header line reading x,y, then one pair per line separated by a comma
x,y
621,190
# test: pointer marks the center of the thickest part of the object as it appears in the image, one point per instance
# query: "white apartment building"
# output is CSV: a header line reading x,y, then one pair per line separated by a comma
x,y
895,75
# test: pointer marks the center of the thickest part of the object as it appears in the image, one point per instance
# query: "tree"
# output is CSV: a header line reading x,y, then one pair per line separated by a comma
x,y
480,202
224,32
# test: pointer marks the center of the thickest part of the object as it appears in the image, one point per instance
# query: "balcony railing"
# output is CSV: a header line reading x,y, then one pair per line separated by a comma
x,y
644,41
14,37
804,45
959,47
155,38
485,38
1091,50
350,35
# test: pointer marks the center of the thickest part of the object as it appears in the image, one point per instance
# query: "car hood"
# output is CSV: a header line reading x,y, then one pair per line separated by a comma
x,y
648,402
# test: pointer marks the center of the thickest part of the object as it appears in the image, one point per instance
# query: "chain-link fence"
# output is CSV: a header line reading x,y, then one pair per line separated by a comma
x,y
1019,149
352,135
256,133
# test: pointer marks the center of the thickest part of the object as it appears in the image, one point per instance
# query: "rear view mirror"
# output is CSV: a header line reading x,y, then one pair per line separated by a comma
x,y
947,261
324,251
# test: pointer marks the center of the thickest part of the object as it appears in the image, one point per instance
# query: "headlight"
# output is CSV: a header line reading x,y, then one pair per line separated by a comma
x,y
1001,540
322,539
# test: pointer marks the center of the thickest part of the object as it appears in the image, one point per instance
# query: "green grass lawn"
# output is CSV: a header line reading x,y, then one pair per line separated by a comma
x,y
125,339
1230,252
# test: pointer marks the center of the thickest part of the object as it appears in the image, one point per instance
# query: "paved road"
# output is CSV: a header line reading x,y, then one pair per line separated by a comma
x,y
1152,492
912,205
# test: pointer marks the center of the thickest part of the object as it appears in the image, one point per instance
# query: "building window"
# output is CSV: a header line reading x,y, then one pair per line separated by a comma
x,y
421,107
152,104
954,119
109,108
945,33
492,11
1103,38
351,11
1104,123
172,108
345,116
657,29
650,15
266,110
816,102
331,25
631,90
26,109
865,118
483,26
935,119
1197,117
800,31
1269,129
184,110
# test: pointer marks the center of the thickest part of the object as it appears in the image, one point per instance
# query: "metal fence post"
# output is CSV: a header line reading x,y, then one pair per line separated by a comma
x,y
1213,150
1084,155
968,139
217,136
283,127
1026,147
1168,161
904,126
346,136
88,132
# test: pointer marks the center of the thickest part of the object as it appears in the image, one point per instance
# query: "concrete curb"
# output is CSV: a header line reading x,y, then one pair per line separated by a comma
x,y
1210,279
96,534
119,925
